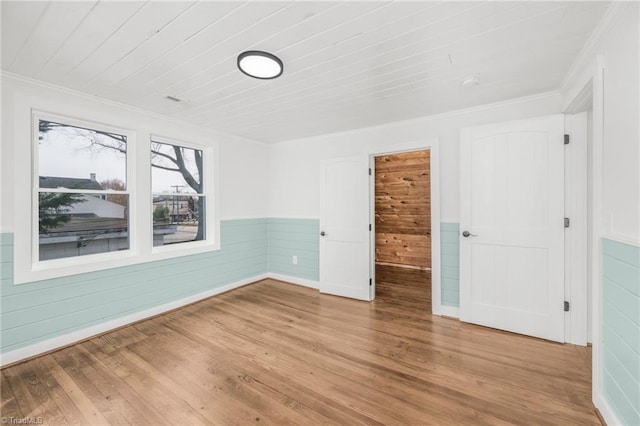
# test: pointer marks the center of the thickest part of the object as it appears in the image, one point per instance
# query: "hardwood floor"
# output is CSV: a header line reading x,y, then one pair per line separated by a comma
x,y
408,287
276,353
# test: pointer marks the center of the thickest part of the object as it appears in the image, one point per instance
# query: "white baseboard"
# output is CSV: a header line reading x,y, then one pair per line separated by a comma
x,y
294,280
86,333
449,311
606,412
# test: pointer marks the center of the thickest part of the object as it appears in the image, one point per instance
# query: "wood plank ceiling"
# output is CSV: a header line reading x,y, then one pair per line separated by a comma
x,y
347,64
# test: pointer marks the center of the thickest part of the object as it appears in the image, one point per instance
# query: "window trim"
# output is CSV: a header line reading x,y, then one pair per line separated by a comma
x,y
212,225
140,221
66,262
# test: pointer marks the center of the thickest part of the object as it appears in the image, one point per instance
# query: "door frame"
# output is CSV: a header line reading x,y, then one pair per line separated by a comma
x,y
576,256
588,82
432,145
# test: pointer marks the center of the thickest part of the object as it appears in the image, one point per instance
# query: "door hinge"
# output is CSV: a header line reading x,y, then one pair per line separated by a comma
x,y
370,281
566,306
567,222
567,138
369,171
369,227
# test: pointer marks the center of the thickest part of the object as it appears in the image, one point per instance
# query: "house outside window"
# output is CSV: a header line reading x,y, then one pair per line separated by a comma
x,y
86,209
81,193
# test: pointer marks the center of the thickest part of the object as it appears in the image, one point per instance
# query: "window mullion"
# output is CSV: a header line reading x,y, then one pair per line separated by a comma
x,y
82,191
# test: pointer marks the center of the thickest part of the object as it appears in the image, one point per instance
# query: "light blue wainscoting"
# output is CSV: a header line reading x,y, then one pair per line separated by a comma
x,y
294,237
42,310
621,329
300,237
450,264
38,311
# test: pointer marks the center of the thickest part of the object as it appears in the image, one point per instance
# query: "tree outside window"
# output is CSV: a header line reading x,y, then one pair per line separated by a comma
x,y
77,214
178,193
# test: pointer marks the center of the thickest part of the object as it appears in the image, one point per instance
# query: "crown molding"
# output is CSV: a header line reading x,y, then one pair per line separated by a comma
x,y
218,133
588,52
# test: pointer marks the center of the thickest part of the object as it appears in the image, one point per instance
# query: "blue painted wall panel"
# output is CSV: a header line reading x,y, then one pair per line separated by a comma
x,y
450,264
621,328
42,310
289,237
294,237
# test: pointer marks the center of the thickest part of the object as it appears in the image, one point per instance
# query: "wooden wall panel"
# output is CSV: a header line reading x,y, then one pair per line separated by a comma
x,y
403,209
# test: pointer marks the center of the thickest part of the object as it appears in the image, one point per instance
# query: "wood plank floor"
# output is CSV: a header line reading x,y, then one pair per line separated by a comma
x,y
406,287
276,353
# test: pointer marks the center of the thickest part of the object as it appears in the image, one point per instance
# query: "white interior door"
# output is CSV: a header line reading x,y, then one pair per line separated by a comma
x,y
344,226
512,226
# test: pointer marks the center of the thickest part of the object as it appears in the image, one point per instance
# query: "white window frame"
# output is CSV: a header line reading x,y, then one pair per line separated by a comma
x,y
212,226
26,265
66,266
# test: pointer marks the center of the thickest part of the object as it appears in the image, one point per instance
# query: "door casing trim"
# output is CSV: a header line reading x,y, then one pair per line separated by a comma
x,y
431,144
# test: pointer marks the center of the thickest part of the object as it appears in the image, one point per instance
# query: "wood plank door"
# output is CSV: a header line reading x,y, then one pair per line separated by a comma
x,y
344,228
512,226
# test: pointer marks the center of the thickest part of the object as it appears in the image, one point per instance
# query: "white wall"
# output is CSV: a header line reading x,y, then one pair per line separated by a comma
x,y
621,157
242,183
294,172
610,64
244,170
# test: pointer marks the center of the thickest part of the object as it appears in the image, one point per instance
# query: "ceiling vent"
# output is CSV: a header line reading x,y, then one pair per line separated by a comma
x,y
470,81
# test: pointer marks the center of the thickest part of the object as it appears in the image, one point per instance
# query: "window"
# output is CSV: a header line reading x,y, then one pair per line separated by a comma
x,y
81,210
81,192
178,190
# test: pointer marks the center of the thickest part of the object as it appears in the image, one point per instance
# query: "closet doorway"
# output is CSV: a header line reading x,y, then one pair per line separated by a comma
x,y
403,228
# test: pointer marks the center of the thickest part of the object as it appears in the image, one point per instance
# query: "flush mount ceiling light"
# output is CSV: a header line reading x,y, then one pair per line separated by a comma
x,y
258,64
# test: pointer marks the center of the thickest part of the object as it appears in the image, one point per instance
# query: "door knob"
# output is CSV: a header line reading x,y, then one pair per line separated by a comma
x,y
468,234
322,234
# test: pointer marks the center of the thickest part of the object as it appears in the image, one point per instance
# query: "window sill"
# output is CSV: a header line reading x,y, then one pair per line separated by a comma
x,y
183,249
58,268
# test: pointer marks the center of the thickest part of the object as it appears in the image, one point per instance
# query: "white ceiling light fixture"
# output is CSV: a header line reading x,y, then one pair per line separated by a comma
x,y
470,81
259,64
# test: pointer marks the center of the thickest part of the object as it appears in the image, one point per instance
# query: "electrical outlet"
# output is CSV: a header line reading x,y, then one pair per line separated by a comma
x,y
295,260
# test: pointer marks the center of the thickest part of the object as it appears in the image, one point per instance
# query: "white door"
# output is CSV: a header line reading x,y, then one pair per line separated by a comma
x,y
344,227
512,226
